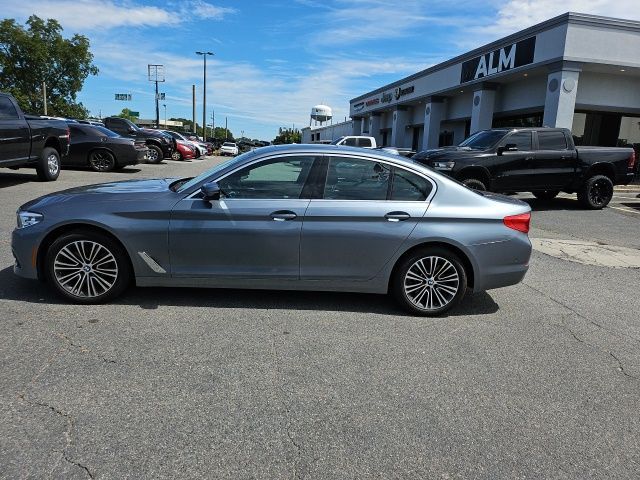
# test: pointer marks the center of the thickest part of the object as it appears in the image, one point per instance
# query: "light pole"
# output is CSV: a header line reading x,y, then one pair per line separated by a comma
x,y
165,115
204,95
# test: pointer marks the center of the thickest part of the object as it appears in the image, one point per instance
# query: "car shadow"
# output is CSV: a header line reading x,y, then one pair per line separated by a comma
x,y
126,170
13,179
16,288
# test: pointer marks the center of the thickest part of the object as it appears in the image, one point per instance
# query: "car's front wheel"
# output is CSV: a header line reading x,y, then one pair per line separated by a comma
x,y
429,281
176,155
87,267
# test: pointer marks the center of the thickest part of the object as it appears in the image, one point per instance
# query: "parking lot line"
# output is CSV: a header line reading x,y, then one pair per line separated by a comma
x,y
625,209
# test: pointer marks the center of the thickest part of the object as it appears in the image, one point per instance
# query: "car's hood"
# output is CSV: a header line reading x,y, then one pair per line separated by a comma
x,y
104,192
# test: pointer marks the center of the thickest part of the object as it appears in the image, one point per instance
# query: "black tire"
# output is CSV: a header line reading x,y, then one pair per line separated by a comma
x,y
596,192
546,194
102,161
404,282
155,154
475,184
48,167
176,155
92,275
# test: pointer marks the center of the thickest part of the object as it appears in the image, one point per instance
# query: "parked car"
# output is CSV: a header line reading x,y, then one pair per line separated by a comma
x,y
103,150
194,138
289,217
31,142
405,152
160,145
229,148
543,161
356,141
200,149
90,121
184,151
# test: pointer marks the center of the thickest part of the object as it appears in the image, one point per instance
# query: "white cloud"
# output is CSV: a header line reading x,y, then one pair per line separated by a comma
x,y
84,15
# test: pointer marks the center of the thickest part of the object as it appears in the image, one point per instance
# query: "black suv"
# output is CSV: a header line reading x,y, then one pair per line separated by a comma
x,y
160,145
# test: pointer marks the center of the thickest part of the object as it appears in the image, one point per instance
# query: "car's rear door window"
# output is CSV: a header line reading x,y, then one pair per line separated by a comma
x,y
364,142
356,179
408,186
552,141
277,178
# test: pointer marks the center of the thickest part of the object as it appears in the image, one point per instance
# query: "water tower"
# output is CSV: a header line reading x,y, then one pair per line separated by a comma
x,y
320,113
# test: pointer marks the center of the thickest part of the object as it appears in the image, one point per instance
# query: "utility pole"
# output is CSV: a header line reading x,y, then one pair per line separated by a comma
x,y
193,95
165,115
44,96
213,123
156,74
226,130
204,95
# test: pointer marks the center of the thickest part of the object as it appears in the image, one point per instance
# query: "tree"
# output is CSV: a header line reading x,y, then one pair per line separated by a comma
x,y
39,53
126,113
288,135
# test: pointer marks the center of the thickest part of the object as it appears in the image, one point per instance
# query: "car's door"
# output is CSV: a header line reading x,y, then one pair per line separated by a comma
x,y
514,168
367,210
253,231
555,162
14,133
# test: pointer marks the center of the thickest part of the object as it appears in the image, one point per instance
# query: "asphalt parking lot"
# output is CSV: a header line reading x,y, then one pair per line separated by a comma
x,y
538,380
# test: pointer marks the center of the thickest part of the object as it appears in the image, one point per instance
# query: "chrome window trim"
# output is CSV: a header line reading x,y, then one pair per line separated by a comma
x,y
434,185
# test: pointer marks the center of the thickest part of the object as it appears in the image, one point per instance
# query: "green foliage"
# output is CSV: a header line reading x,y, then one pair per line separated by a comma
x,y
288,135
126,113
219,132
37,53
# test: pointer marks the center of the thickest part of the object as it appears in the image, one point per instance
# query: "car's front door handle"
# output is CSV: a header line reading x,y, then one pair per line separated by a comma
x,y
397,216
529,159
283,215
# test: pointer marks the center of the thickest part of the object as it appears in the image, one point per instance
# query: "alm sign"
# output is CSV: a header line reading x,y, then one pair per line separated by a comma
x,y
505,58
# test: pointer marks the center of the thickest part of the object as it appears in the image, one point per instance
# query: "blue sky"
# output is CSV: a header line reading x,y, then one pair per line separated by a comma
x,y
275,59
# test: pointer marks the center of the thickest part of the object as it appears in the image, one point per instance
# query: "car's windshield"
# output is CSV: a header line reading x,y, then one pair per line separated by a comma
x,y
212,171
337,140
484,139
105,131
228,144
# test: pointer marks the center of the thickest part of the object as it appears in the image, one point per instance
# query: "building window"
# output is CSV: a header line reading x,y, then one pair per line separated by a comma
x,y
519,121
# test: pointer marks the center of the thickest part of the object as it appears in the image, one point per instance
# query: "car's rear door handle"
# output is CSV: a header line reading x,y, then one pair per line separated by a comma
x,y
283,215
397,216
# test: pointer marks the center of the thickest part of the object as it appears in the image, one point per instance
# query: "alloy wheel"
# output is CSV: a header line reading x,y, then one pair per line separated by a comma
x,y
53,164
600,192
85,268
101,161
431,283
152,155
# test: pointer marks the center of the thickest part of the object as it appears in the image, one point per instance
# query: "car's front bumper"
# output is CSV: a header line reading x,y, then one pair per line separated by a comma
x,y
24,246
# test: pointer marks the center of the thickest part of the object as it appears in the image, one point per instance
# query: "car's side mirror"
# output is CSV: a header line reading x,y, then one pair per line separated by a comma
x,y
132,130
210,191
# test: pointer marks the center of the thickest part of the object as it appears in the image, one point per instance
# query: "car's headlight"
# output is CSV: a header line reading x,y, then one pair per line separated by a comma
x,y
27,219
444,165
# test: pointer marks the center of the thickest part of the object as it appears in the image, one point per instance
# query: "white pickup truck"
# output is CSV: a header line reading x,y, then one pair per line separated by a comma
x,y
356,141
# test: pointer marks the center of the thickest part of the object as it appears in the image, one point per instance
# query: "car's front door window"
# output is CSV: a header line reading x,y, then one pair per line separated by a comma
x,y
356,179
271,179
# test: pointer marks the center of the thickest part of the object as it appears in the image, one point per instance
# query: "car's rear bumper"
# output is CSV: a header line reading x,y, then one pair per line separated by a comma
x,y
500,264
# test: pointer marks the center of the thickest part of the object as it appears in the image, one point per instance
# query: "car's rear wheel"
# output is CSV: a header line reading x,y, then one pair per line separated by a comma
x,y
546,194
429,281
474,184
87,267
48,167
155,154
596,192
102,161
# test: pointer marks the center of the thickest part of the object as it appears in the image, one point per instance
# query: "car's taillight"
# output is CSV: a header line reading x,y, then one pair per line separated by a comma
x,y
632,160
518,222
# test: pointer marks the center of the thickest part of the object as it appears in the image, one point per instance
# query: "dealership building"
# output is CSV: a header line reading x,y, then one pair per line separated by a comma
x,y
575,71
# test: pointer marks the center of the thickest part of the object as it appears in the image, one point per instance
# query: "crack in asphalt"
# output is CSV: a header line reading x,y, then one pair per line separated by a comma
x,y
64,455
563,325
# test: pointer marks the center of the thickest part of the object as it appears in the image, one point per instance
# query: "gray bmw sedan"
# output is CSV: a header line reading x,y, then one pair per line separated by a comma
x,y
298,217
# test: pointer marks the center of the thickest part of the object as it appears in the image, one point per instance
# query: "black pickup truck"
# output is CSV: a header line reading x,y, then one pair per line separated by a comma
x,y
543,161
30,141
160,145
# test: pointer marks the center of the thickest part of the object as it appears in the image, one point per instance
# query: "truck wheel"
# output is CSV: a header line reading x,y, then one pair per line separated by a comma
x,y
48,167
596,192
474,184
429,281
546,194
155,154
102,161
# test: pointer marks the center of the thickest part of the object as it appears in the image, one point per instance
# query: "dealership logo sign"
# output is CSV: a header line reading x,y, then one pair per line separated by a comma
x,y
358,106
386,97
399,92
372,101
505,58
